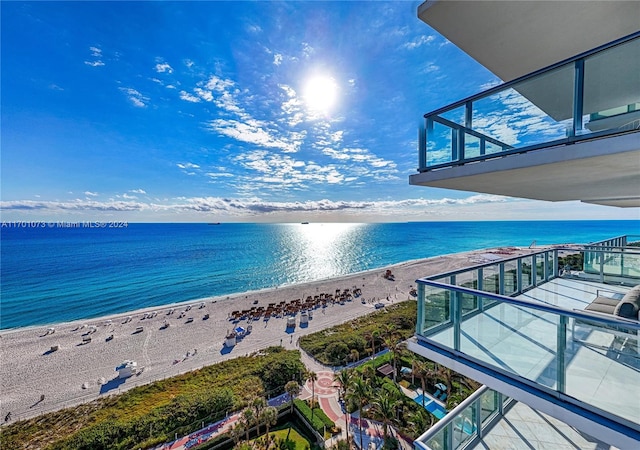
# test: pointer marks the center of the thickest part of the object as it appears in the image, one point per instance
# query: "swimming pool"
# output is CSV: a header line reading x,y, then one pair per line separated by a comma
x,y
431,406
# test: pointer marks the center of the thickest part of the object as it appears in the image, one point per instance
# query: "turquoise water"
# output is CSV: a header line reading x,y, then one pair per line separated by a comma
x,y
431,406
53,274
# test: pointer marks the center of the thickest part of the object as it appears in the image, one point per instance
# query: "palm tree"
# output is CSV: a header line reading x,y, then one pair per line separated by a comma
x,y
258,404
422,371
359,392
355,355
237,431
387,330
269,416
417,420
369,374
293,389
344,377
396,347
310,375
247,420
383,408
447,374
371,337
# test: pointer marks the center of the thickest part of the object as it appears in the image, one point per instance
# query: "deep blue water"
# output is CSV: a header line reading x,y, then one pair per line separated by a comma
x,y
56,274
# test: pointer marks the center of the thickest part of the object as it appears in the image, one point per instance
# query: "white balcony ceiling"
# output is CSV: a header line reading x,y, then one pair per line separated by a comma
x,y
515,38
604,172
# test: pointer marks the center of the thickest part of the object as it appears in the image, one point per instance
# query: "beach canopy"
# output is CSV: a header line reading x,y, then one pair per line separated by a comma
x,y
386,370
441,386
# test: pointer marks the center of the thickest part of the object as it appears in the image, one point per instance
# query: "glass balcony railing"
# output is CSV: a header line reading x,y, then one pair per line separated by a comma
x,y
596,94
466,422
588,360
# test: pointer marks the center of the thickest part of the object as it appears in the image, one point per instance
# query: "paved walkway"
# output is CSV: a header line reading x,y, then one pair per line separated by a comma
x,y
326,393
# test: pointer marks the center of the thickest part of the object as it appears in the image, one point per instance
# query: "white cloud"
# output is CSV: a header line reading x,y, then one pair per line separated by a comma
x,y
164,67
138,191
97,55
203,94
135,97
188,165
91,194
188,97
219,174
277,59
239,207
419,42
252,132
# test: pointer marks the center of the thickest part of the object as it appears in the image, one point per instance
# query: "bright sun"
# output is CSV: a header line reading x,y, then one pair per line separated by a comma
x,y
320,93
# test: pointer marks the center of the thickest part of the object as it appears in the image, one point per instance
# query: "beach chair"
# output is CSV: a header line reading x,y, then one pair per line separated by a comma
x,y
443,397
437,393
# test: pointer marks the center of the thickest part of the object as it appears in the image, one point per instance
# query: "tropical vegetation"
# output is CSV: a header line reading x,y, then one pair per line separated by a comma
x,y
151,414
361,337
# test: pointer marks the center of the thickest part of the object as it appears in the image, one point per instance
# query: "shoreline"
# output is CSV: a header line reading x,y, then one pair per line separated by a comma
x,y
232,296
79,372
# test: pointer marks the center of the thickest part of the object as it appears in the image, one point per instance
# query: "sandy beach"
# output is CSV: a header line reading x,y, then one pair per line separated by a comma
x,y
78,372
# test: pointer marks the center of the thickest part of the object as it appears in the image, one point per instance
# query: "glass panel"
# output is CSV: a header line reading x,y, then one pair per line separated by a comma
x,y
510,277
439,145
540,269
436,307
611,352
617,265
491,279
439,440
471,146
468,280
488,405
491,148
599,355
550,265
464,427
611,93
527,272
469,303
455,115
535,111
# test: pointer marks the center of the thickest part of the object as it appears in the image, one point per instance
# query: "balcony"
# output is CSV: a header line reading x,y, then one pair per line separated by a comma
x,y
518,325
567,132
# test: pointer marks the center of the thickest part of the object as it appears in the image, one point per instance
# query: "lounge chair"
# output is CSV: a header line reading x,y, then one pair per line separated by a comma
x,y
627,308
443,397
437,393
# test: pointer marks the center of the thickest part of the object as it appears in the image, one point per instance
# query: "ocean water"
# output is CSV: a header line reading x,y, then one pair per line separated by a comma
x,y
52,273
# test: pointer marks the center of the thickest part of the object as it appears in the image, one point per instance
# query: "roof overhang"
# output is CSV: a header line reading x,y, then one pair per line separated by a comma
x,y
498,34
602,171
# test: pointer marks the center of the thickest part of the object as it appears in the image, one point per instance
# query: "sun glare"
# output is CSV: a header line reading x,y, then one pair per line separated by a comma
x,y
320,93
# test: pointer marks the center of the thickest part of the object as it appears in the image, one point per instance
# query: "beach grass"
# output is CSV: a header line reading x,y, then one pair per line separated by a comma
x,y
334,346
152,413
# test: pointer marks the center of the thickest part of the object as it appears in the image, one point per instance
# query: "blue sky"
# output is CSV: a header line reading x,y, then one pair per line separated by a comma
x,y
232,111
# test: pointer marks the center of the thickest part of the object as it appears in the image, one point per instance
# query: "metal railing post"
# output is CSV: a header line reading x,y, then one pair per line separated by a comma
x,y
578,97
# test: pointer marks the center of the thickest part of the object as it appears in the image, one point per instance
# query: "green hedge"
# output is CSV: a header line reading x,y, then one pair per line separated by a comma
x,y
319,413
315,421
